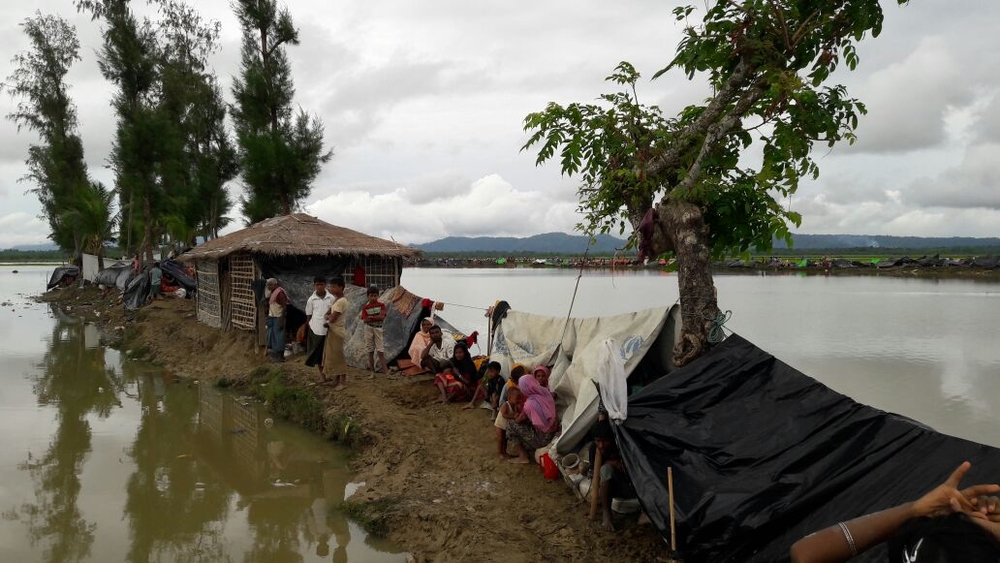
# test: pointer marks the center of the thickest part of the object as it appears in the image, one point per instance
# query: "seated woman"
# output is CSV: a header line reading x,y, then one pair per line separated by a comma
x,y
421,340
465,367
946,524
537,424
458,380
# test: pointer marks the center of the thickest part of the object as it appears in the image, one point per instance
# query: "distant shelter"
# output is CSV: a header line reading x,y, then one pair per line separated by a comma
x,y
294,249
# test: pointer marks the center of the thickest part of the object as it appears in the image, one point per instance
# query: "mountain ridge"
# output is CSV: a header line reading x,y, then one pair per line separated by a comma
x,y
563,243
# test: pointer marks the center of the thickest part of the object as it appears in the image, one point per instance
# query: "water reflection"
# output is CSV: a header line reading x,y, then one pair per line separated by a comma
x,y
201,475
75,380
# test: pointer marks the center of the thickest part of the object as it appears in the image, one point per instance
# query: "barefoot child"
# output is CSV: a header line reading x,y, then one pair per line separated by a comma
x,y
508,411
488,388
373,314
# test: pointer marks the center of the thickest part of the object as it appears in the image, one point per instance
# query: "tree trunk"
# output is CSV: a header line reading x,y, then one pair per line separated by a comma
x,y
147,230
684,225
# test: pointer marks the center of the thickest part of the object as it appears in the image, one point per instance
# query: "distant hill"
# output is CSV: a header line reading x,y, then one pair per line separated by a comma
x,y
806,242
45,246
548,243
562,243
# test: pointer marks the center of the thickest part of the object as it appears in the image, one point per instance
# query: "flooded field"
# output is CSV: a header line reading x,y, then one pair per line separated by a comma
x,y
106,459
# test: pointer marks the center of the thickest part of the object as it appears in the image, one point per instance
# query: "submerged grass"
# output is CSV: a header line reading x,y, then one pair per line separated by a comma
x,y
292,403
372,516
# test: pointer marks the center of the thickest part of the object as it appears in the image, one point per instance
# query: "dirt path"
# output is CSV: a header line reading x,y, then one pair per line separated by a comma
x,y
434,484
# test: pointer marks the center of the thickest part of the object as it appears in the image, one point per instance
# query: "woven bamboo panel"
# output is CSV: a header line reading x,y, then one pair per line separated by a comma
x,y
209,305
379,271
243,308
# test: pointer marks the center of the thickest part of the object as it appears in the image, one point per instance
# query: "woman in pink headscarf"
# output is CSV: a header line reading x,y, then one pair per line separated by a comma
x,y
421,340
537,424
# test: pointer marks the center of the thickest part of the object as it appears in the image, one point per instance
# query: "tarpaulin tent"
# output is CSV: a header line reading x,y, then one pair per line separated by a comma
x,y
114,276
763,455
63,275
401,323
574,349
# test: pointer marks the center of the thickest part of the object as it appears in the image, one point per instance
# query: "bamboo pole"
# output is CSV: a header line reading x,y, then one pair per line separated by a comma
x,y
670,491
595,484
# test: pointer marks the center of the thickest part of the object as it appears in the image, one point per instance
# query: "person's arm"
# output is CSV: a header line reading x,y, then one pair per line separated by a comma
x,y
844,540
309,307
381,315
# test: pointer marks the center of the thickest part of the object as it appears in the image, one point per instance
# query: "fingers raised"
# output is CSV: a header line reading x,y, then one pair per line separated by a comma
x,y
979,490
956,476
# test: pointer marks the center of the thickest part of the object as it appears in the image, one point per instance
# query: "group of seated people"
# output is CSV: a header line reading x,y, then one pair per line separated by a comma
x,y
525,407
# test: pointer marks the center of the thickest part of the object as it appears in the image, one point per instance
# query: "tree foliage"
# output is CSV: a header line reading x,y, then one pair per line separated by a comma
x,y
281,151
172,155
56,165
716,177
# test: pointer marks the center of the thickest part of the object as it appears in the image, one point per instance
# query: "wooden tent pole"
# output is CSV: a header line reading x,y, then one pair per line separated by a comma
x,y
670,491
595,484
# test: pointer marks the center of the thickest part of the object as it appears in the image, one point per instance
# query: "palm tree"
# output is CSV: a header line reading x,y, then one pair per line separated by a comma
x,y
93,219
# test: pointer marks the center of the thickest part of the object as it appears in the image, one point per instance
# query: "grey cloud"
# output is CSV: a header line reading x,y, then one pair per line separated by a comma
x,y
987,126
974,183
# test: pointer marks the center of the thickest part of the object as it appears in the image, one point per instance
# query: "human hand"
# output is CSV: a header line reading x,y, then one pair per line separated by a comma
x,y
987,515
947,498
988,506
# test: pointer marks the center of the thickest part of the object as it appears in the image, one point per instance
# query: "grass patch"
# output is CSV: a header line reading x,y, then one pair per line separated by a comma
x,y
345,429
372,516
293,404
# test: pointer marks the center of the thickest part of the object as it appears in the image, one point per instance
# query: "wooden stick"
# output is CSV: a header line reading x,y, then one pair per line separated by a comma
x,y
670,491
595,484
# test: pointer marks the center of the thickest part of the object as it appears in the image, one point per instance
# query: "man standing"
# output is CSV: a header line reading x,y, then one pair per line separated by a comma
x,y
277,305
155,279
440,350
316,307
373,314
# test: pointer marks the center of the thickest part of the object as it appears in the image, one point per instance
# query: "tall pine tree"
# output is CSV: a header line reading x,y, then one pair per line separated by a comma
x,y
281,151
56,165
128,60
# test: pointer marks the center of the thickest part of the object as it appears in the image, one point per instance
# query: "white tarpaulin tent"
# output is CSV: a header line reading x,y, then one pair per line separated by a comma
x,y
577,352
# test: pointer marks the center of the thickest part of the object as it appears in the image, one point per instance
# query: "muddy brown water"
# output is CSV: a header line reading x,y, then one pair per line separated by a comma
x,y
107,459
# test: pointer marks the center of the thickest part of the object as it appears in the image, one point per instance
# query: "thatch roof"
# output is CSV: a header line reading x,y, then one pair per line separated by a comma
x,y
298,234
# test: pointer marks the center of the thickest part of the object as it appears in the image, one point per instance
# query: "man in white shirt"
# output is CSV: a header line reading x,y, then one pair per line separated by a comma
x,y
316,307
439,350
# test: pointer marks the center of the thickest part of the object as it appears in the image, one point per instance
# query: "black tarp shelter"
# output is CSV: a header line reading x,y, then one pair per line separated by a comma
x,y
763,455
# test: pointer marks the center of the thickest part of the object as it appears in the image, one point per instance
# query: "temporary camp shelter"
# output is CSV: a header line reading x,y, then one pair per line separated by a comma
x,y
292,248
760,453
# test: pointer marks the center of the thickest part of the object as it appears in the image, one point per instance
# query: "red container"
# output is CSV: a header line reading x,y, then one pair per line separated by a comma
x,y
549,468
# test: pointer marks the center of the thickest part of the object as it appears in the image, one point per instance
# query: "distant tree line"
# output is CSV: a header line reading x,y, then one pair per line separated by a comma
x,y
177,144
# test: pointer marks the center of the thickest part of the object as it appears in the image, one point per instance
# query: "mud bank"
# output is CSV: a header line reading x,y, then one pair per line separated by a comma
x,y
434,484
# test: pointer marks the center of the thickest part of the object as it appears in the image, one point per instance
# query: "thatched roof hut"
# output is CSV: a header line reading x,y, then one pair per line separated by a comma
x,y
294,249
299,234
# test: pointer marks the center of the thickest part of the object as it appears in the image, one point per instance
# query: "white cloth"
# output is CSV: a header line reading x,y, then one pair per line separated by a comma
x,y
611,377
316,308
575,356
443,352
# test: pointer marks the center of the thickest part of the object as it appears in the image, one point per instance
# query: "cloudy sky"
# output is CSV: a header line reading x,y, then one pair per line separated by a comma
x,y
423,104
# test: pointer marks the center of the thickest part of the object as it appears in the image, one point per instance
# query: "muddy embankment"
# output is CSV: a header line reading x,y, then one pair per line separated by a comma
x,y
434,483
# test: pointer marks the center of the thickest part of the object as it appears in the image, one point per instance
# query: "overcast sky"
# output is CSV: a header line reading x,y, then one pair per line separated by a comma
x,y
423,104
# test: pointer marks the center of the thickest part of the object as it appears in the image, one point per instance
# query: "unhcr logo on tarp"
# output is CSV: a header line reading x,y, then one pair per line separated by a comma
x,y
630,346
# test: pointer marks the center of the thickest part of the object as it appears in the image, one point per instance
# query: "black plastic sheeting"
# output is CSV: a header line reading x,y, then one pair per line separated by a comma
x,y
763,455
176,271
61,273
296,275
136,292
